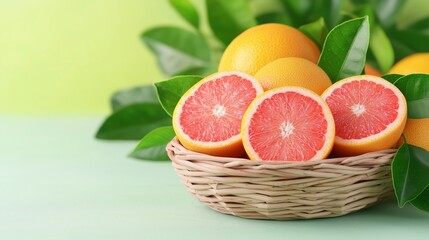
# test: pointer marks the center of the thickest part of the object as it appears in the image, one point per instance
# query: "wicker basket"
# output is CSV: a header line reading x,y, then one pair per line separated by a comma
x,y
284,190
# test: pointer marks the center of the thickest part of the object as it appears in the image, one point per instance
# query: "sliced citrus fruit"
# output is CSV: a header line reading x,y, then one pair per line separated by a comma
x,y
288,123
293,71
370,114
208,116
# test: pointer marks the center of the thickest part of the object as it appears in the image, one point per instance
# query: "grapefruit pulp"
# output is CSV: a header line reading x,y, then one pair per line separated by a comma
x,y
288,123
208,116
370,114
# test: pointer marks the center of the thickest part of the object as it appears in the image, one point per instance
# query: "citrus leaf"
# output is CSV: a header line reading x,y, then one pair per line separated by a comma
x,y
177,49
421,25
405,46
401,49
331,12
187,10
133,122
410,168
381,48
141,94
344,50
152,145
171,90
408,41
422,201
201,71
299,11
229,18
316,31
387,10
392,78
273,17
415,88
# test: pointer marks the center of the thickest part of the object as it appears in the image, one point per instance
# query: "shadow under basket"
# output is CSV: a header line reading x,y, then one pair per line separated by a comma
x,y
284,190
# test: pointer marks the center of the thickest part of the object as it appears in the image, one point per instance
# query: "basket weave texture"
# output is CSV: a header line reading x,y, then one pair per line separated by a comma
x,y
284,190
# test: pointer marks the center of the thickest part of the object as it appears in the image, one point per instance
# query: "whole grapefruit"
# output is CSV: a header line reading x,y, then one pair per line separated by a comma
x,y
416,131
415,63
293,71
259,45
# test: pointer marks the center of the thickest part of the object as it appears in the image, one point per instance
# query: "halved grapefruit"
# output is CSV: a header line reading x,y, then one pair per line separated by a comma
x,y
288,123
208,116
370,114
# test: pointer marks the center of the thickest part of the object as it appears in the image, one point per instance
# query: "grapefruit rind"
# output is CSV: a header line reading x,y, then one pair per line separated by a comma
x,y
231,147
293,71
262,44
382,140
330,131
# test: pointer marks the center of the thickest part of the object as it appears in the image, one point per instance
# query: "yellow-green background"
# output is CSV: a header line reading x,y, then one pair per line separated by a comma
x,y
68,57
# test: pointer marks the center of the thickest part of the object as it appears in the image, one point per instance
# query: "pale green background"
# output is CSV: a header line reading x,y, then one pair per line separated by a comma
x,y
68,57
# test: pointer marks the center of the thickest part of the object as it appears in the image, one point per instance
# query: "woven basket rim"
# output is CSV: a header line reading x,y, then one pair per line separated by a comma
x,y
284,190
175,149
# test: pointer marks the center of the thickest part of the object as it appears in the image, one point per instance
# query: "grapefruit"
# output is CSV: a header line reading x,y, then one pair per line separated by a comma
x,y
288,123
208,116
415,63
292,71
370,114
416,130
259,45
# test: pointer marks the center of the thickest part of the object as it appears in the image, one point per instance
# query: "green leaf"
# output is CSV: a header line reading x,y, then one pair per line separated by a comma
x,y
202,71
415,88
421,25
299,10
171,90
133,122
229,18
381,48
316,31
380,53
345,48
410,168
412,39
331,12
152,146
408,41
401,49
187,10
392,78
422,201
387,10
177,49
125,97
274,17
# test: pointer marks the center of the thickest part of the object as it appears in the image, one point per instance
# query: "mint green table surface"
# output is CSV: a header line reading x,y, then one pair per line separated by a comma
x,y
58,182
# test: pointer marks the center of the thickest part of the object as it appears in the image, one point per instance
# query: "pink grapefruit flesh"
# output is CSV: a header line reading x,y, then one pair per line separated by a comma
x,y
369,113
288,123
208,117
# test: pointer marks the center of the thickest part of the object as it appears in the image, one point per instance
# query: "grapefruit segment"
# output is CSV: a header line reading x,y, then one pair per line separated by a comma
x,y
288,123
370,114
207,118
